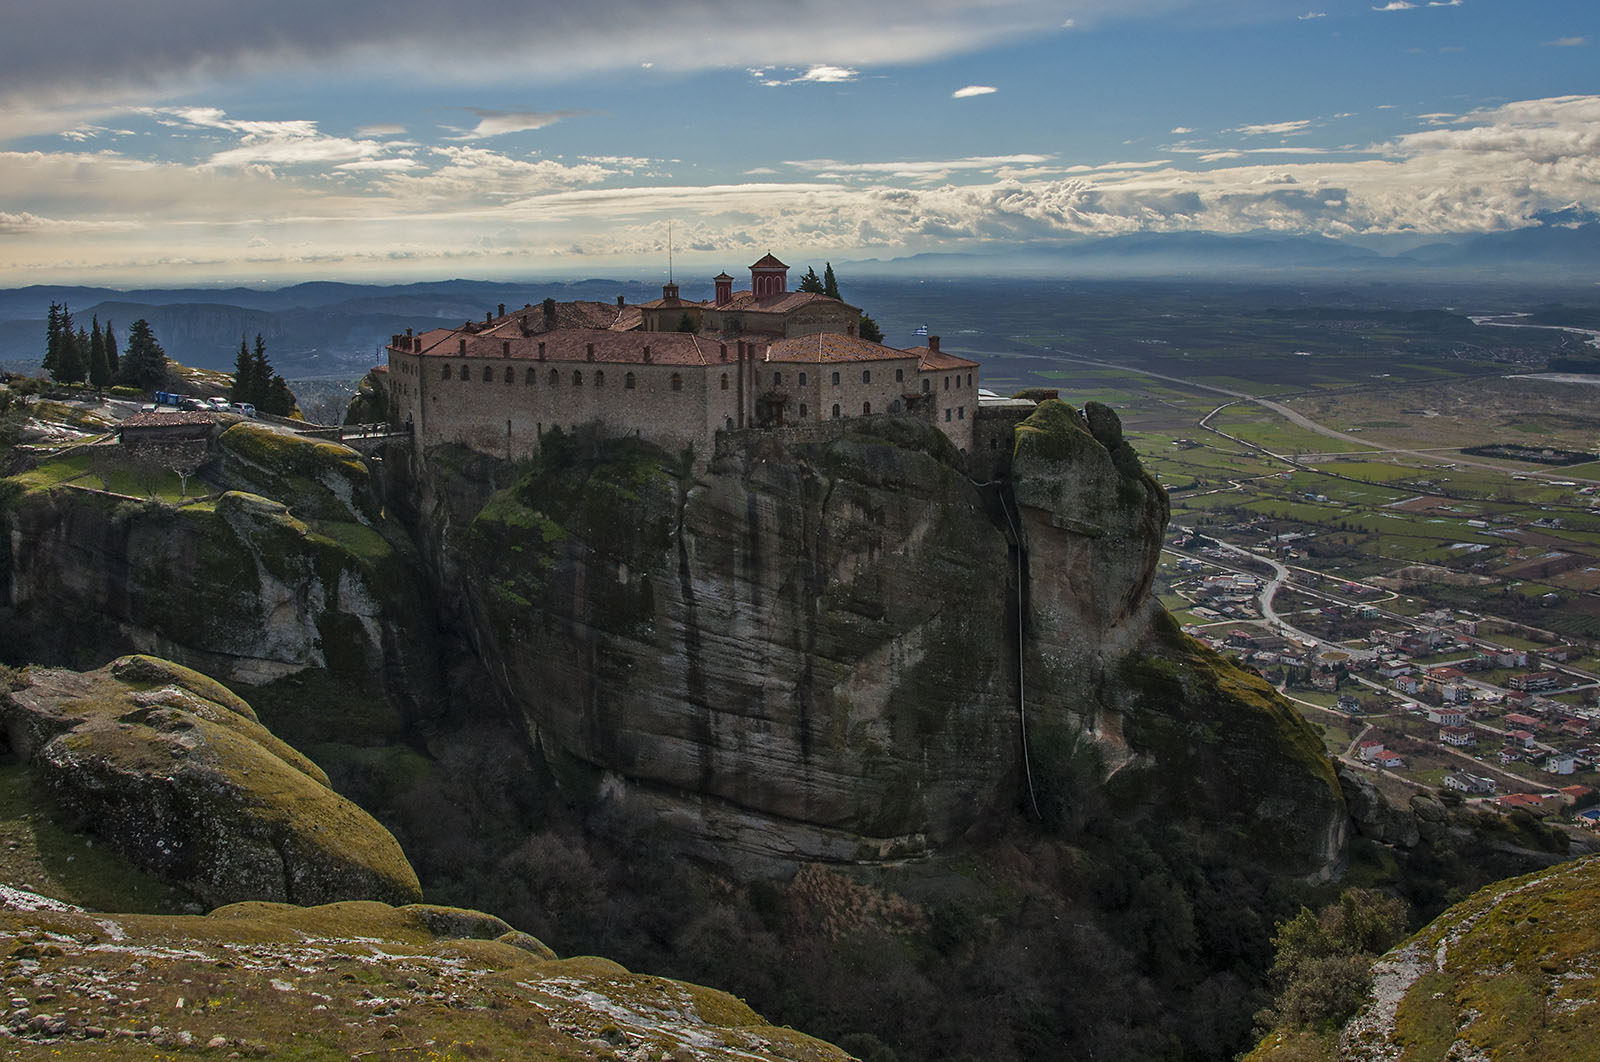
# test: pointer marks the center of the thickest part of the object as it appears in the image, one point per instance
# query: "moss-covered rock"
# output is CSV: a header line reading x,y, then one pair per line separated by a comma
x,y
320,480
195,791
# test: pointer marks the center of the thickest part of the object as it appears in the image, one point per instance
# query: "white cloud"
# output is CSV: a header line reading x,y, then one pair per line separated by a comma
x,y
1180,130
1275,128
1396,5
1444,3
1567,42
1309,15
463,205
817,74
499,123
382,129
973,90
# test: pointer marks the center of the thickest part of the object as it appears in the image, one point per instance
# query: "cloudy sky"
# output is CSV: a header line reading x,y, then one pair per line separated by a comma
x,y
191,141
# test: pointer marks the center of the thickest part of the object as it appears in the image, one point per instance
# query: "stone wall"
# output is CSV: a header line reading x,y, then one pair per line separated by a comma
x,y
502,406
994,437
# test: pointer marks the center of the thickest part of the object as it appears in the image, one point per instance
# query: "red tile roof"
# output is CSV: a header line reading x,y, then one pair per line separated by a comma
x,y
828,347
929,360
573,345
769,262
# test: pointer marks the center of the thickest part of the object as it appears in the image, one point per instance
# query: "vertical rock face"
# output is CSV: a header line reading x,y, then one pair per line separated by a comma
x,y
809,650
245,586
1173,725
798,653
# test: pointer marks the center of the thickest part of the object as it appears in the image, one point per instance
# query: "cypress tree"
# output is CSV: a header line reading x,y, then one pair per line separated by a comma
x,y
99,369
830,286
111,349
811,282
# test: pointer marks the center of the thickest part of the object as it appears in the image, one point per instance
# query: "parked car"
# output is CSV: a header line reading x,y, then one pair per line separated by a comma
x,y
245,409
219,405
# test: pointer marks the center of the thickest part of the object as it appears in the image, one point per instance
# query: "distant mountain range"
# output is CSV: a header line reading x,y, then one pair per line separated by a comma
x,y
329,329
1557,252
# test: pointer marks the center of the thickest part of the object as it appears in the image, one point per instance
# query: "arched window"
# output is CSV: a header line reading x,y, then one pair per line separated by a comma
x,y
866,375
947,383
577,378
627,382
555,377
866,409
895,407
677,382
899,376
969,379
802,379
802,411
528,378
488,374
728,424
924,385
777,379
836,379
445,373
836,411
511,376
724,381
599,378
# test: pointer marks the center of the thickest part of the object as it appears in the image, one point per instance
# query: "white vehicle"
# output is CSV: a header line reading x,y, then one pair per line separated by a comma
x,y
245,409
218,405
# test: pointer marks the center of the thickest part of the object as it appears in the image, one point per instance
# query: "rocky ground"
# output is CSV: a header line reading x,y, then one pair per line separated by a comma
x,y
342,981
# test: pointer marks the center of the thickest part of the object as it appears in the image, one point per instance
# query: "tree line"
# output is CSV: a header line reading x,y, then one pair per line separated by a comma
x,y
75,355
255,382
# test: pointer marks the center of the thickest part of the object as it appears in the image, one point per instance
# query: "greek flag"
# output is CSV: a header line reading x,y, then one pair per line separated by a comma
x,y
922,330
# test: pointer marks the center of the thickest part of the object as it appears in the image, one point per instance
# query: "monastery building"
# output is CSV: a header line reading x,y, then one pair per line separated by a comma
x,y
672,371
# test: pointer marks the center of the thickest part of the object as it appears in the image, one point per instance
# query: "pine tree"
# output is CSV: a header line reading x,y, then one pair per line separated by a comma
x,y
243,389
260,376
279,399
99,369
111,349
52,339
72,359
868,329
811,282
145,364
62,360
830,286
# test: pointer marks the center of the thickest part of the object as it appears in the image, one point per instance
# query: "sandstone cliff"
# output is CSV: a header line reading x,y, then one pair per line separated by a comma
x,y
809,649
172,770
282,569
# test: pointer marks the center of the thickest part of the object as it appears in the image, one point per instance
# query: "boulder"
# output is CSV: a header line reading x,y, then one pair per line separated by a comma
x,y
172,770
